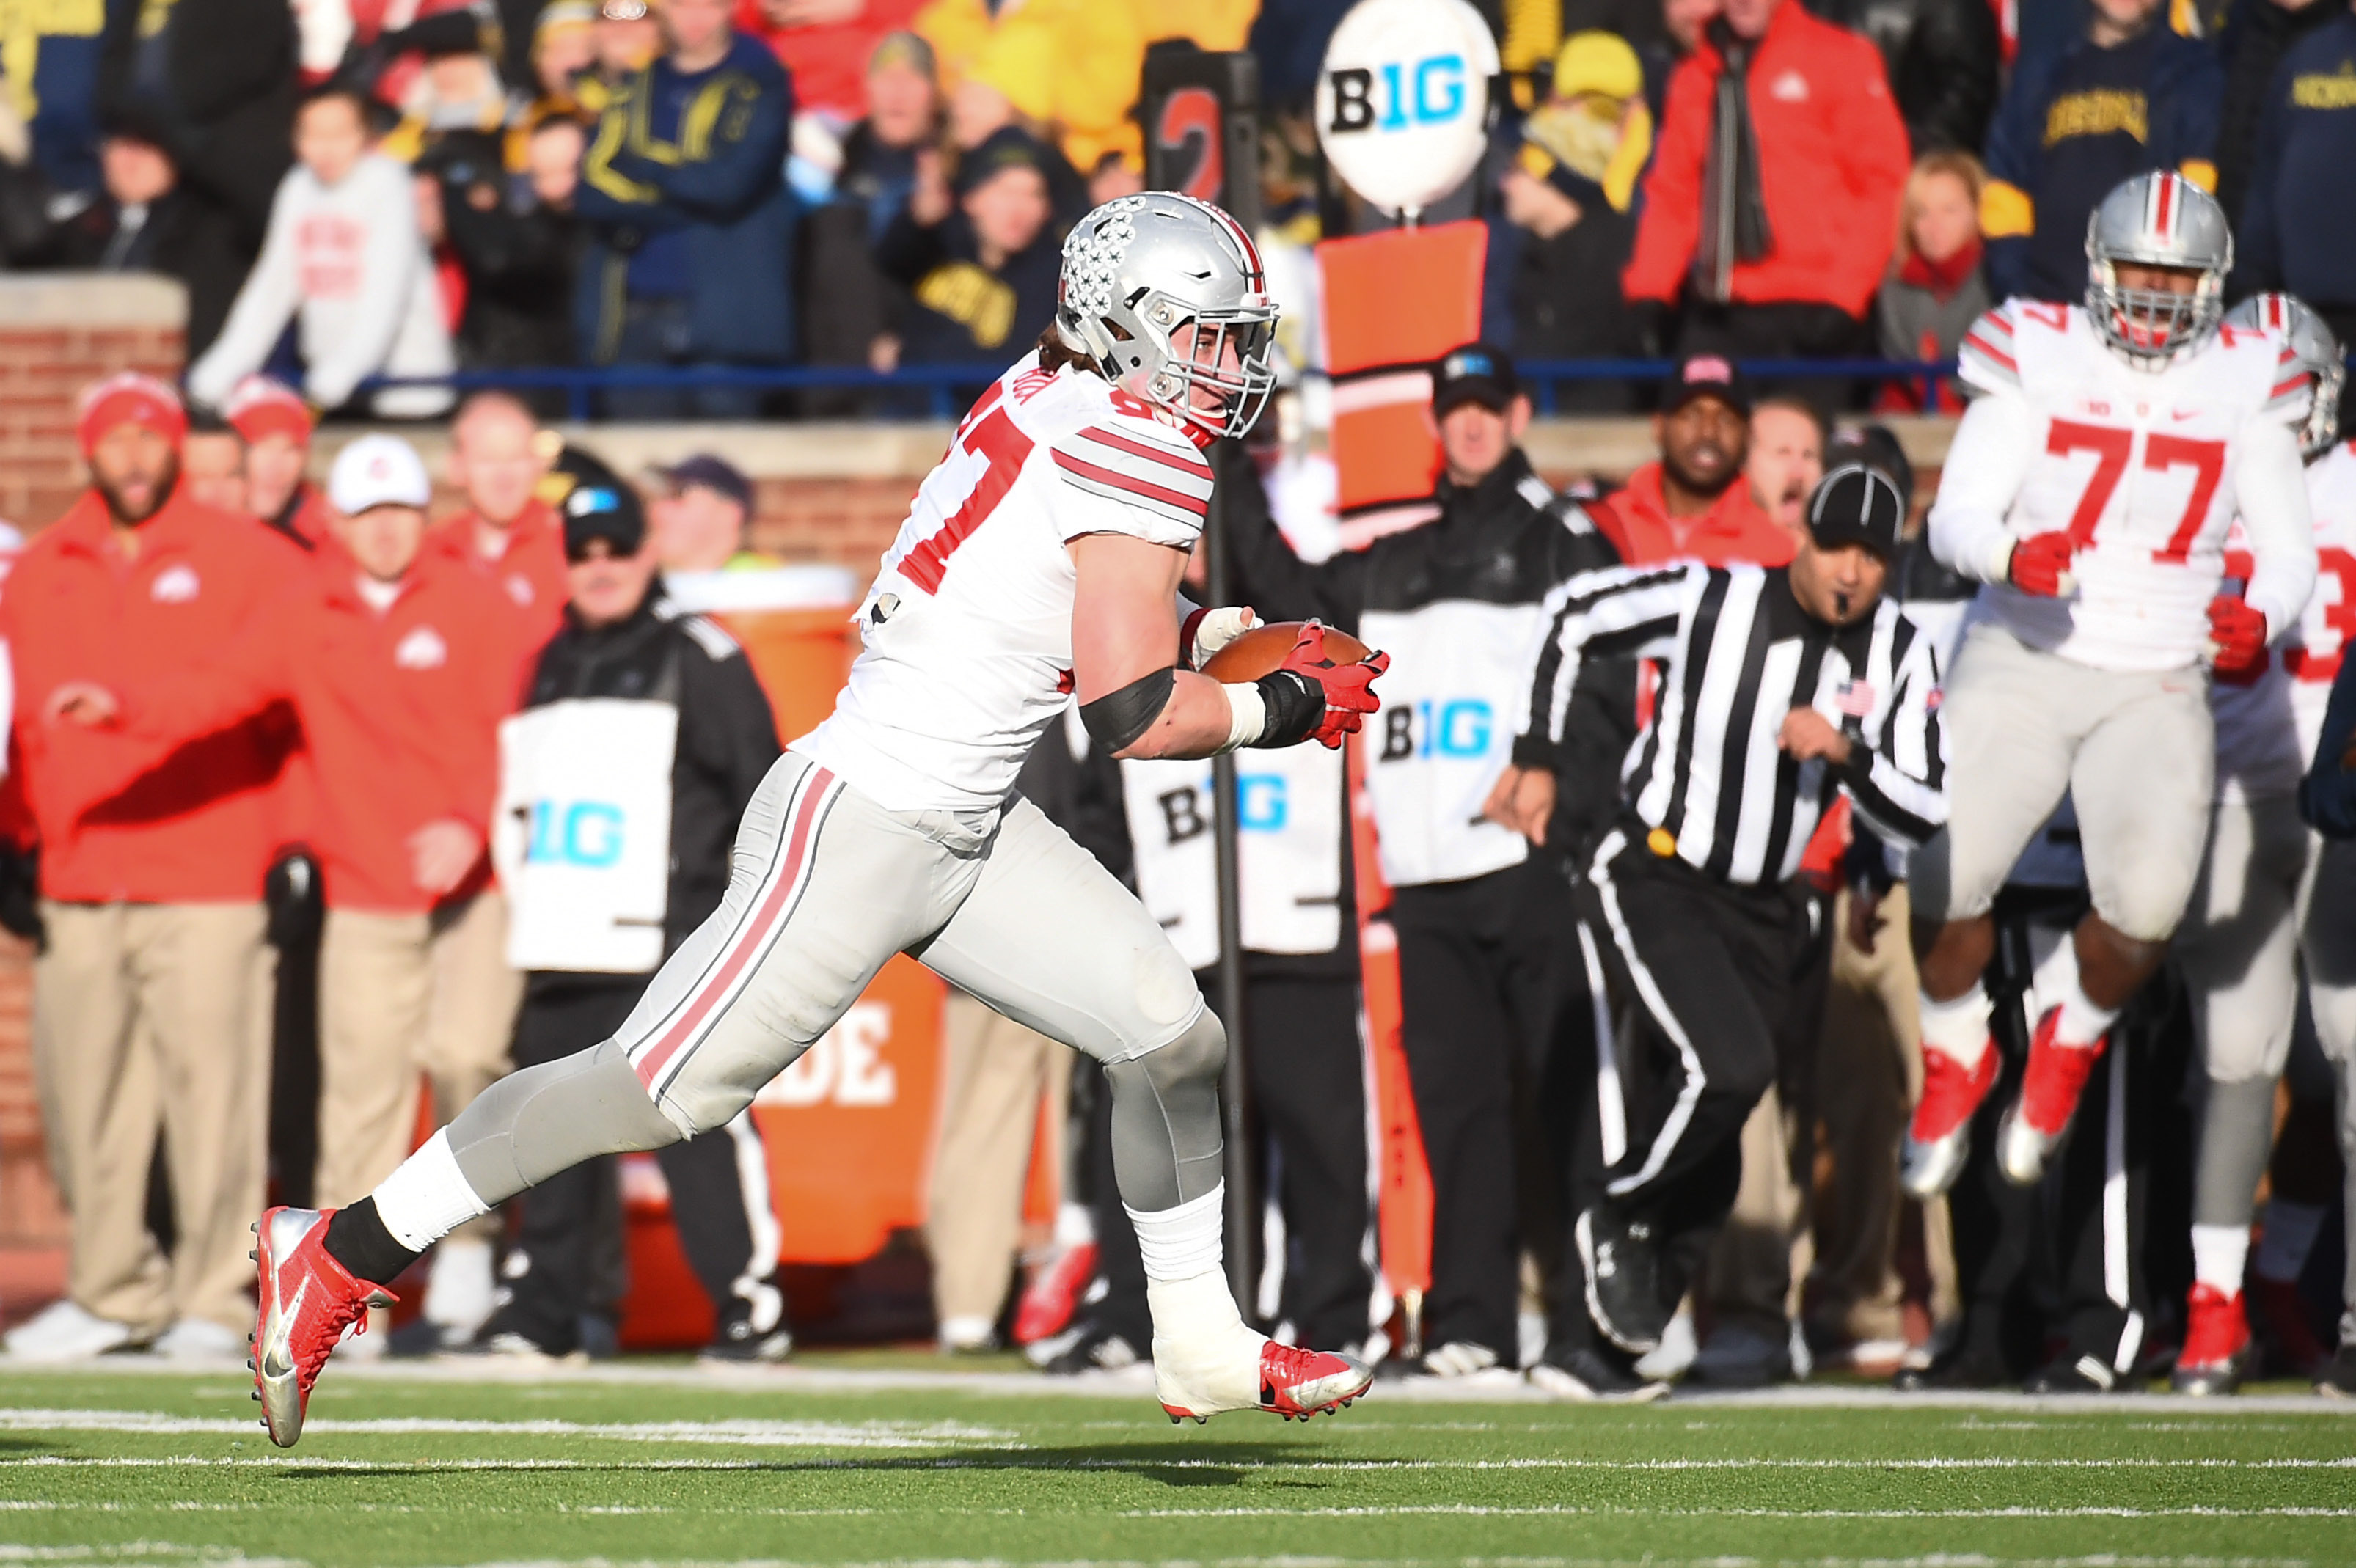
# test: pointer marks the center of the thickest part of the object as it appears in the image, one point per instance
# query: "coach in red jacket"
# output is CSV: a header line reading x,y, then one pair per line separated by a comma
x,y
151,998
1772,201
400,674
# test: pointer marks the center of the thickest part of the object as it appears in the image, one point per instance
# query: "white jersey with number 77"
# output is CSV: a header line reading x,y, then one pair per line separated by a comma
x,y
2145,470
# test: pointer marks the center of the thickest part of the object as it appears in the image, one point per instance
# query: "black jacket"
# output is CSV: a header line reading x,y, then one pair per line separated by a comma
x,y
216,85
2257,32
182,235
727,737
520,258
1944,59
1499,546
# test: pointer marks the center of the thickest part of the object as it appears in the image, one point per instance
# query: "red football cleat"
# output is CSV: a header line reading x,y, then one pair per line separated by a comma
x,y
1939,1137
307,1301
2050,1087
1293,1382
1054,1294
2216,1343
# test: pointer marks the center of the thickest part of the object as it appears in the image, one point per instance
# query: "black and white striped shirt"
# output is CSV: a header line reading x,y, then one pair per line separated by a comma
x,y
1739,653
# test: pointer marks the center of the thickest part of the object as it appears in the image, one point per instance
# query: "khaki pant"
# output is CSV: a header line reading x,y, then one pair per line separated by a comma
x,y
993,1074
147,1016
401,995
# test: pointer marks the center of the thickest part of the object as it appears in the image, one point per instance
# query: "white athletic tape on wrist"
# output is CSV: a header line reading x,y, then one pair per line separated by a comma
x,y
1181,1243
1247,716
427,1198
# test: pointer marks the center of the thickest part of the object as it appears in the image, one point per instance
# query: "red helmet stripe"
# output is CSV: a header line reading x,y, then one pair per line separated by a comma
x,y
2163,218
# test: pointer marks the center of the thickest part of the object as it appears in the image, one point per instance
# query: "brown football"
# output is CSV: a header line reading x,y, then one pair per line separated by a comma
x,y
1259,651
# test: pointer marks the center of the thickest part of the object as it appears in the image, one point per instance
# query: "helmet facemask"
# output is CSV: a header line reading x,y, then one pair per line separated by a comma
x,y
1165,296
2152,326
2321,430
1227,354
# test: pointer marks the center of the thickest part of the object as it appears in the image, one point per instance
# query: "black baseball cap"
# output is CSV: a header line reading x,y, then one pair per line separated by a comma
x,y
609,512
1876,446
705,471
1856,504
1705,376
1479,373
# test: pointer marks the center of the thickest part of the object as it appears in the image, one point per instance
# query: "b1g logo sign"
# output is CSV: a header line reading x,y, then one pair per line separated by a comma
x,y
1461,728
575,833
1403,104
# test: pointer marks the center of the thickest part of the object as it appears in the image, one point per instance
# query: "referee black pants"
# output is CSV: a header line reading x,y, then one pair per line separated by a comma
x,y
1492,997
1719,980
564,1262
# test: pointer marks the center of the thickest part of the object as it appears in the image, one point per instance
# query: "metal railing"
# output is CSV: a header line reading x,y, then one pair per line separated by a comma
x,y
944,390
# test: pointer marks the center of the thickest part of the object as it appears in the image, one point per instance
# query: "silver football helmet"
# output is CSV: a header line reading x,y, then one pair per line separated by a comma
x,y
2157,220
1139,272
2311,342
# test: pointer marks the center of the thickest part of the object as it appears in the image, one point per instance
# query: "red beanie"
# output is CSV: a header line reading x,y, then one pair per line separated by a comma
x,y
130,398
257,406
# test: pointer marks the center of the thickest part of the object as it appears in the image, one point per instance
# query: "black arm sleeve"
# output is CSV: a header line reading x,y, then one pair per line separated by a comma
x,y
1268,577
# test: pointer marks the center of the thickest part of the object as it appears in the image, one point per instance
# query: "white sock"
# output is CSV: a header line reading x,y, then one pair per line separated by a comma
x,y
2290,1233
428,1196
1181,1243
1075,1225
1958,1029
2218,1253
2081,1024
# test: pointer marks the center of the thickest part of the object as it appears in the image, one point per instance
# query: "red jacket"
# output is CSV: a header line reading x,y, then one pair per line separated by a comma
x,y
1636,520
827,60
400,710
1832,161
122,817
530,572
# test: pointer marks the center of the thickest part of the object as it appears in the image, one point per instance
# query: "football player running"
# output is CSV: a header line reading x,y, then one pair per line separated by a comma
x,y
1042,555
2260,899
2089,487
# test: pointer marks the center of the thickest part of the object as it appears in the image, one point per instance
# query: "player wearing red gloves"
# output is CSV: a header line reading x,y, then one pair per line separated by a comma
x,y
2090,485
1041,557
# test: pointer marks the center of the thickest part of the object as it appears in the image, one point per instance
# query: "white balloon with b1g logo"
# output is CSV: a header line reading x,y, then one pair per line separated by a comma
x,y
582,836
1403,102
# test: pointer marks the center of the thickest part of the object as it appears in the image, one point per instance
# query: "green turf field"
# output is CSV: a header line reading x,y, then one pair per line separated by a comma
x,y
102,1468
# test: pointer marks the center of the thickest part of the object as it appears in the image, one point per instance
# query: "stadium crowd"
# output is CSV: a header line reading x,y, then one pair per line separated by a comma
x,y
872,183
257,747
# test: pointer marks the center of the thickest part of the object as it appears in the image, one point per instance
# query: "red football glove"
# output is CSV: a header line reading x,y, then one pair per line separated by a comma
x,y
2041,561
1347,688
2237,636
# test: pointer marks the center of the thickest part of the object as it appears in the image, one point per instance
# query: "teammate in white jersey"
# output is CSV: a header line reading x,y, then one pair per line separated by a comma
x,y
2089,487
2260,899
1041,556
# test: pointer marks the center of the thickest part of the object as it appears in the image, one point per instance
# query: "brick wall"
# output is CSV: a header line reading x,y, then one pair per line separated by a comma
x,y
58,335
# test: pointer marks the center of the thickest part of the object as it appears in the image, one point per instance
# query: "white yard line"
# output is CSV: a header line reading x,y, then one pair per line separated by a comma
x,y
1137,1382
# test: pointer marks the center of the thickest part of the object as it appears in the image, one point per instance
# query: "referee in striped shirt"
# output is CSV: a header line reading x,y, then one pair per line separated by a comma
x,y
1777,688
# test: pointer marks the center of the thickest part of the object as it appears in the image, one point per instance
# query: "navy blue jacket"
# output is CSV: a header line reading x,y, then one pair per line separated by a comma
x,y
2327,796
2070,130
2298,229
692,168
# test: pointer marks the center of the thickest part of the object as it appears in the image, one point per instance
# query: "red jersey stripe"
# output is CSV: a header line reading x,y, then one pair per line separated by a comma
x,y
1194,466
1121,481
816,787
1974,341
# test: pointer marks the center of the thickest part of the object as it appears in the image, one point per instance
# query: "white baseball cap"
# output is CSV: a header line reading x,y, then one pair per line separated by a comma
x,y
378,471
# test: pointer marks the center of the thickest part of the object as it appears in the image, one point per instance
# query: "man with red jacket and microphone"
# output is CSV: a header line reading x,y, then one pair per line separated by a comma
x,y
151,998
400,676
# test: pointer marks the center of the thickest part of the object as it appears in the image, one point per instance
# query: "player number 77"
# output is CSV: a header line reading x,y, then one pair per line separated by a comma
x,y
2112,446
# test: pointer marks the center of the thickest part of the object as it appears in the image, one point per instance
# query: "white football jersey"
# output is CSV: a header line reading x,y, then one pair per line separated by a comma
x,y
2266,732
2141,468
968,626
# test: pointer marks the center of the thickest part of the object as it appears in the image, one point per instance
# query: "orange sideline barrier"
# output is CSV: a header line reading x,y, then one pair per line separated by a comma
x,y
849,1126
